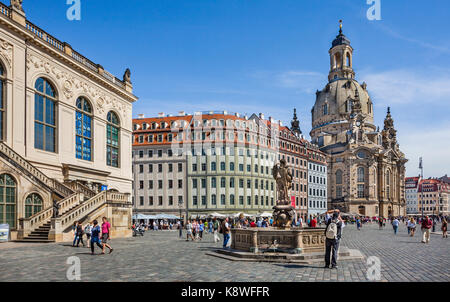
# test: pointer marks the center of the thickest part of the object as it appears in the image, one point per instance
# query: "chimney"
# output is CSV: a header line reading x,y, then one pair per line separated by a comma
x,y
261,116
237,114
181,113
141,115
161,114
271,119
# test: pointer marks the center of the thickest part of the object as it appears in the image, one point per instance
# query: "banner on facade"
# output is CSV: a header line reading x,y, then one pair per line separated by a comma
x,y
104,188
4,232
293,201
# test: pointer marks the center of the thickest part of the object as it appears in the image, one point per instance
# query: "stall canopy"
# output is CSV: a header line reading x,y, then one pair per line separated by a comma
x,y
158,216
266,214
218,215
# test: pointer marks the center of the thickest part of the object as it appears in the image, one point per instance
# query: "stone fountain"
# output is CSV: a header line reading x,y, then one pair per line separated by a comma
x,y
283,242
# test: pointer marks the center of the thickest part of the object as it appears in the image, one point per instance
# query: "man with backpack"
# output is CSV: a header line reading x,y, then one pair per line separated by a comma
x,y
333,232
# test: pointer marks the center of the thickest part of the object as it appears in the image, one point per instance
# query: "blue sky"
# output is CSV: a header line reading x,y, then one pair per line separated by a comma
x,y
270,56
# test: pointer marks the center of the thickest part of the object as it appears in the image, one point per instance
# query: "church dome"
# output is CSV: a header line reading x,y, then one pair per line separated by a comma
x,y
334,102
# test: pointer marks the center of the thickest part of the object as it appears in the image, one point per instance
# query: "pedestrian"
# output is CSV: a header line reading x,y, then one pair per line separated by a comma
x,y
80,234
88,232
380,222
313,222
426,226
206,226
358,223
189,228
225,230
333,233
95,236
201,228
74,230
194,231
444,228
395,224
210,226
106,231
215,226
411,227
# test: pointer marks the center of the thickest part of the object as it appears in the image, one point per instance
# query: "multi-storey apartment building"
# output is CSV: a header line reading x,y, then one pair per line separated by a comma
x,y
433,197
65,134
317,181
221,162
411,188
159,171
226,163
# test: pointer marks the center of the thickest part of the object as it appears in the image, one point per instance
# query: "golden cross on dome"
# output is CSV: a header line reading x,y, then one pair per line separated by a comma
x,y
340,26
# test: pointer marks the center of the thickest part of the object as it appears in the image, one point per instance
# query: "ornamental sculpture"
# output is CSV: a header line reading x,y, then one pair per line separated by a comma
x,y
283,212
17,4
283,178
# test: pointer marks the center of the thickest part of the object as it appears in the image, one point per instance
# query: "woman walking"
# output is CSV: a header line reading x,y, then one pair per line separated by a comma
x,y
189,228
444,228
411,227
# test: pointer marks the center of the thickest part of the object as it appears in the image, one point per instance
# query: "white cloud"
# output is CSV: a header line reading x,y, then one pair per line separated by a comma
x,y
433,144
304,81
408,86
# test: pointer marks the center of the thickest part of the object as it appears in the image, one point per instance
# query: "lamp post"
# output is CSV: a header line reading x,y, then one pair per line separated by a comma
x,y
421,182
180,205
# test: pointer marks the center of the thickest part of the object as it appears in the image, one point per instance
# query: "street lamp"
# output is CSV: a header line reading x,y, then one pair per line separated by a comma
x,y
180,205
421,182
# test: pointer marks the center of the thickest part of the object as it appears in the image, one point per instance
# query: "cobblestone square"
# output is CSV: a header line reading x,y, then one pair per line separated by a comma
x,y
163,256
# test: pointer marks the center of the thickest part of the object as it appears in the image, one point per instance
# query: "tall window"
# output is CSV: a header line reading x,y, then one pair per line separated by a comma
x,y
361,185
339,177
33,204
2,103
325,109
360,174
45,116
83,129
112,140
388,184
8,200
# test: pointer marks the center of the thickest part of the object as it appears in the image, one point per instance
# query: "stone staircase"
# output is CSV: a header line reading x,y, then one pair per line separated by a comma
x,y
33,173
39,235
75,202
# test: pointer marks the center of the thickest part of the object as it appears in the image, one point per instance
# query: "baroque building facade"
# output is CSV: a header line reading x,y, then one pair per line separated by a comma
x,y
65,143
366,169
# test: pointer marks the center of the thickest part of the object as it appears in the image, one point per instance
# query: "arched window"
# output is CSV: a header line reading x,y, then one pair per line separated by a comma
x,y
2,102
112,140
388,184
325,109
348,61
33,204
8,193
348,105
83,129
45,116
360,174
339,177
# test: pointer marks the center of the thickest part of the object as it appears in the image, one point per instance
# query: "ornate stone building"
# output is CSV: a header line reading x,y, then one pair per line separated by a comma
x,y
366,169
65,135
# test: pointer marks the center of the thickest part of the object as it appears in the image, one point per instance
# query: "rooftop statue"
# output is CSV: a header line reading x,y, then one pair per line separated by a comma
x,y
17,4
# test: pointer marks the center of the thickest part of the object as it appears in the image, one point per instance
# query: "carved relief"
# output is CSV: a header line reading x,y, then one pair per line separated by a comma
x,y
70,84
6,50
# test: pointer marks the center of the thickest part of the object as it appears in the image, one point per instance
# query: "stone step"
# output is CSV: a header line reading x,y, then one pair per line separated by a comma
x,y
34,240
